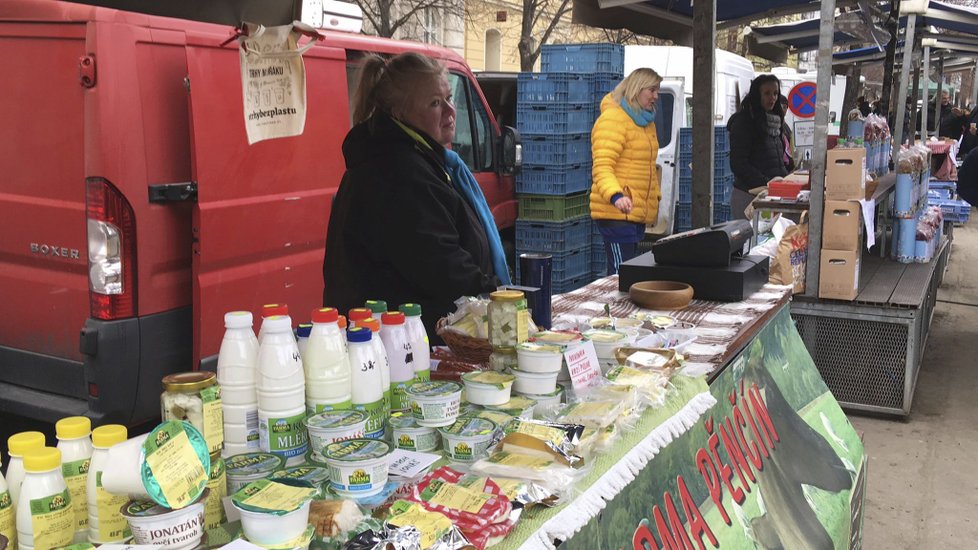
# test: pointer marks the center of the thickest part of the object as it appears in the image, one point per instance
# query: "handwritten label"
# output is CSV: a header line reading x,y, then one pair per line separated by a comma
x,y
410,463
582,362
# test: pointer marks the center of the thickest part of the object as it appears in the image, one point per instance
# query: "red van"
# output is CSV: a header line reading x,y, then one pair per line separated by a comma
x,y
134,214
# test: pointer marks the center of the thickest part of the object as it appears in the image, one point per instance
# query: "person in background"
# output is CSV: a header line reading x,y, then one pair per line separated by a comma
x,y
406,225
863,106
624,146
757,141
968,178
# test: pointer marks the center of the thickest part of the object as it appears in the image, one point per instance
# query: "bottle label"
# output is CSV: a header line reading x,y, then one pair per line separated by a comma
x,y
422,375
76,477
213,418
8,523
52,520
376,418
112,525
283,436
387,398
316,408
399,400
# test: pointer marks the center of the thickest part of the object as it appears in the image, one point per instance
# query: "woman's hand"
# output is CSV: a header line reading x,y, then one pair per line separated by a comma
x,y
624,204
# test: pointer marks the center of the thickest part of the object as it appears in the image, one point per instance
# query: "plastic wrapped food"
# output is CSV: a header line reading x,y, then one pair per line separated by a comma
x,y
592,414
518,491
559,438
652,386
550,473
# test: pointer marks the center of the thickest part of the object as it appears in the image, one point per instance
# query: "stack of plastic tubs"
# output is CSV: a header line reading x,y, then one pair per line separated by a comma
x,y
909,201
554,115
723,178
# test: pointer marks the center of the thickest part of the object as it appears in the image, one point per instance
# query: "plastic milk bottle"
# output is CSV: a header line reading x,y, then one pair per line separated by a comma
x,y
237,373
269,310
105,523
75,443
326,366
368,394
17,445
8,522
45,518
401,357
281,392
419,341
302,337
383,360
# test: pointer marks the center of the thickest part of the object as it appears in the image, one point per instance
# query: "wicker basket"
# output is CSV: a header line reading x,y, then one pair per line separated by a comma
x,y
467,348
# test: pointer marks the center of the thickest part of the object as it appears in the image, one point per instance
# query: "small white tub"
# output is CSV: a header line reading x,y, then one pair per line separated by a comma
x,y
606,342
555,397
158,525
468,439
435,404
517,407
267,529
332,426
487,387
535,382
244,468
539,357
408,435
358,467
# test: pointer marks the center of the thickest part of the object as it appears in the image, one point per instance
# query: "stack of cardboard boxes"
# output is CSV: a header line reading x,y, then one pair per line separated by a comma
x,y
845,186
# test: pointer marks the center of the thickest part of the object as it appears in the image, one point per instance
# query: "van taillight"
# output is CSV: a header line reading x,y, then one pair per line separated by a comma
x,y
111,251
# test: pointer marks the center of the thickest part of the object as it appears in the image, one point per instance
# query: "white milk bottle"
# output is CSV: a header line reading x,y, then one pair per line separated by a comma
x,y
105,522
45,518
269,310
382,359
419,341
8,523
75,443
400,355
302,337
281,392
237,373
17,445
376,307
368,394
325,364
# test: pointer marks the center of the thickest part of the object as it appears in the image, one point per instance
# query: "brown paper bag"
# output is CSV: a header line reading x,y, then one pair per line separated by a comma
x,y
790,261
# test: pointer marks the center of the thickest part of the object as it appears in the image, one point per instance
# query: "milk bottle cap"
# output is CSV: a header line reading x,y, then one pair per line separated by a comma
x,y
43,459
372,324
20,443
341,322
359,314
358,334
269,310
238,319
378,307
278,323
304,330
106,436
393,318
410,310
73,427
325,315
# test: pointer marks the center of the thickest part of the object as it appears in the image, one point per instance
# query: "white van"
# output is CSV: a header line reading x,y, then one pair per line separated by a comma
x,y
675,65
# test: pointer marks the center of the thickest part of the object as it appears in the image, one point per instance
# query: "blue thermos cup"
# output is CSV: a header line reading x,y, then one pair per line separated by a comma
x,y
535,271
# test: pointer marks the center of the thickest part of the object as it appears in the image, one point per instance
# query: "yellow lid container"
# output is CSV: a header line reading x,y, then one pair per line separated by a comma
x,y
20,443
44,459
106,436
73,427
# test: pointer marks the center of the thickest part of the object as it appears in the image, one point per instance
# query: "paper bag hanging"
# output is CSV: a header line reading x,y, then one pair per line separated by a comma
x,y
273,79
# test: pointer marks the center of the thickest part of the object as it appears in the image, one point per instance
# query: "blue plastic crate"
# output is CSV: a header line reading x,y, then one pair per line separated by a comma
x,y
553,180
956,211
599,270
567,285
721,161
722,189
721,139
683,220
554,88
556,150
603,84
584,58
947,189
721,213
596,239
721,165
556,237
554,119
565,265
685,189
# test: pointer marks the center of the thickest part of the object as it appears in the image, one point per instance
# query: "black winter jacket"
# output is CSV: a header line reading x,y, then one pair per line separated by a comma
x,y
398,229
755,156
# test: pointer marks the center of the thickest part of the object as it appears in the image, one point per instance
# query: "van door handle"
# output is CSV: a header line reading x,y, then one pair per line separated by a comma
x,y
173,192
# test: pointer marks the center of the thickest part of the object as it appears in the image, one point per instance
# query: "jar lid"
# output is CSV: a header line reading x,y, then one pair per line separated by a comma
x,y
189,382
73,427
106,436
506,296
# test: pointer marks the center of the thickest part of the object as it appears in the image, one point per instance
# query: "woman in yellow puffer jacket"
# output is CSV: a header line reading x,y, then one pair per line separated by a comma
x,y
625,183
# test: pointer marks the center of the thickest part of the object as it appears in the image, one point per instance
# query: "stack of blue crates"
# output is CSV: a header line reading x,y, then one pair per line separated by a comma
x,y
554,115
723,178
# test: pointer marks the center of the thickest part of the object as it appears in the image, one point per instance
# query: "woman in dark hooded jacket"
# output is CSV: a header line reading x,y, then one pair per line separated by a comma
x,y
758,152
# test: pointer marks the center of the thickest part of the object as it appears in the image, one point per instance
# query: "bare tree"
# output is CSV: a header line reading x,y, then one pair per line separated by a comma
x,y
388,16
535,13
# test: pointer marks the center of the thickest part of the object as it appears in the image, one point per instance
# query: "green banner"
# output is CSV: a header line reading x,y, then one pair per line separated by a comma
x,y
774,464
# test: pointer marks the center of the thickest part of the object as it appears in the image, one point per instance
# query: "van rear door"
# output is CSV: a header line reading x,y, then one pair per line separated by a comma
x,y
668,120
262,210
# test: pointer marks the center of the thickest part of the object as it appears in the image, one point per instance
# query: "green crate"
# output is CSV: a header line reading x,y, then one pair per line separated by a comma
x,y
553,208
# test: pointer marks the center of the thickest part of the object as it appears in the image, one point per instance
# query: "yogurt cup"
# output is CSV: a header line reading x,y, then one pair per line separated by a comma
x,y
535,382
176,464
517,406
358,467
436,403
545,400
301,542
158,525
605,343
559,337
332,426
487,388
408,435
539,357
468,439
274,520
244,468
617,323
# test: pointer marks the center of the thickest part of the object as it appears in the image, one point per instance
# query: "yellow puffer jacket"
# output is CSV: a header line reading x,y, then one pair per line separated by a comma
x,y
624,157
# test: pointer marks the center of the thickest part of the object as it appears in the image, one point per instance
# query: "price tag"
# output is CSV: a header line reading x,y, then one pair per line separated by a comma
x,y
583,364
410,463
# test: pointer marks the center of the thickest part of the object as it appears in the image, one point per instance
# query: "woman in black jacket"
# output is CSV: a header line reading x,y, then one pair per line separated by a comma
x,y
399,230
759,150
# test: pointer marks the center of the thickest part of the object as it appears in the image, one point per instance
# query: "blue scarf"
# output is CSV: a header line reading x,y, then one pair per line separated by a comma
x,y
465,183
641,117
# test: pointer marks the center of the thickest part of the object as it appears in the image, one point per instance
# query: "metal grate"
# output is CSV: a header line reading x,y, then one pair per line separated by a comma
x,y
862,362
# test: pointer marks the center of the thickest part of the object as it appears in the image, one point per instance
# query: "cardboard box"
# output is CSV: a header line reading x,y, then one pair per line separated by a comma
x,y
842,225
838,274
845,174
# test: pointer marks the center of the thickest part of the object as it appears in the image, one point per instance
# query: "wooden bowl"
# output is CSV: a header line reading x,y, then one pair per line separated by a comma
x,y
661,294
